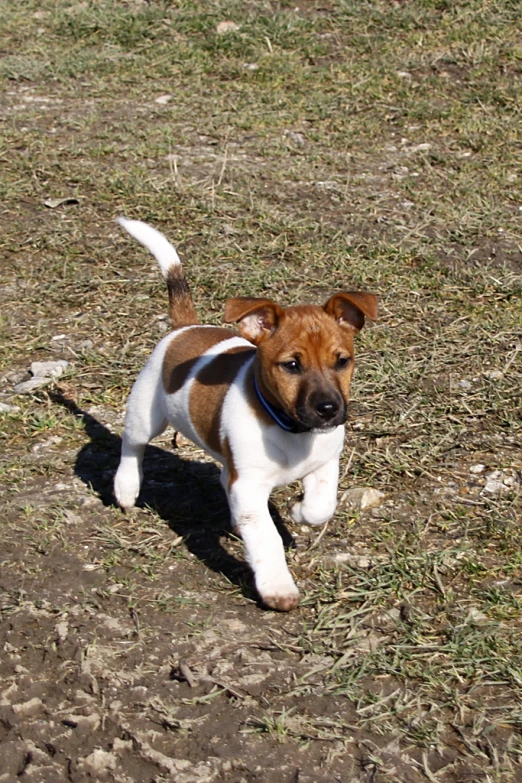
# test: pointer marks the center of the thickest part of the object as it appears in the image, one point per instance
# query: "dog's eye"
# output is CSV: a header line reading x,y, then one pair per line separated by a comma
x,y
293,366
342,362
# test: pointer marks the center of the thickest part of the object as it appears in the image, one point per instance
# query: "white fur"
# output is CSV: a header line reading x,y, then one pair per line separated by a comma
x,y
264,456
154,241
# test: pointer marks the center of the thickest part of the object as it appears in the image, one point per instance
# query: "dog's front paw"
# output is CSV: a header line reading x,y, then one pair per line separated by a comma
x,y
305,516
126,489
282,598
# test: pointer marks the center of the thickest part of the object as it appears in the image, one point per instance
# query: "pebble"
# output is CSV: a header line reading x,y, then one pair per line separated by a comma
x,y
357,561
476,616
28,708
5,408
26,387
62,630
362,497
371,498
99,761
497,482
163,99
48,369
42,373
222,28
297,138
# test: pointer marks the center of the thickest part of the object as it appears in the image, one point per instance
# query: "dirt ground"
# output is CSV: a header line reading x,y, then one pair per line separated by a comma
x,y
312,147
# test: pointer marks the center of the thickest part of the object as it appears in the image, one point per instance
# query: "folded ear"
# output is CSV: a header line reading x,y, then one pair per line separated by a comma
x,y
351,307
257,318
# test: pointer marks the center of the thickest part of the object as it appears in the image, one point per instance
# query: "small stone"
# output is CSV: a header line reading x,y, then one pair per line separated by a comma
x,y
476,616
295,137
26,387
404,75
478,468
352,497
357,561
494,375
49,369
28,708
62,630
371,498
42,373
494,487
83,724
222,28
99,761
163,99
5,408
449,489
362,497
120,746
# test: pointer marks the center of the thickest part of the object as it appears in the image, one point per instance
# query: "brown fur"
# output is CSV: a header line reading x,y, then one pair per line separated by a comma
x,y
185,350
181,307
208,392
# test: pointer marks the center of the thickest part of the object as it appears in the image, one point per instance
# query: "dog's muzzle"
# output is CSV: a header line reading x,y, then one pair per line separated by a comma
x,y
322,412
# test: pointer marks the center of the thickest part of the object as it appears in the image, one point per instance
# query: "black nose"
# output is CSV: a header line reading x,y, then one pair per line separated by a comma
x,y
327,409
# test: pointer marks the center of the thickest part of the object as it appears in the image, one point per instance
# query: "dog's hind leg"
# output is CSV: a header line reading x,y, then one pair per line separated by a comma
x,y
145,419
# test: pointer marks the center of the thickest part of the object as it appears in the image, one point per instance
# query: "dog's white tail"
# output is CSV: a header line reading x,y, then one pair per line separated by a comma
x,y
154,241
181,306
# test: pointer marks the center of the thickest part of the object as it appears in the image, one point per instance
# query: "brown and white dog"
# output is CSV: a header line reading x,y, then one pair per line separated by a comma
x,y
269,403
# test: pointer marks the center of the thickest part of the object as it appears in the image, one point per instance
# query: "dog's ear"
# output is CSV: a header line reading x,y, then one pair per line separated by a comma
x,y
256,318
350,308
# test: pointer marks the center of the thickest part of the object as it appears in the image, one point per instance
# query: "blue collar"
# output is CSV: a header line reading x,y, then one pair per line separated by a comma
x,y
281,418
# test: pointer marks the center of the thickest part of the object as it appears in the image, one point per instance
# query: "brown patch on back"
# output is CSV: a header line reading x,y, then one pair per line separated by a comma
x,y
181,307
185,350
208,392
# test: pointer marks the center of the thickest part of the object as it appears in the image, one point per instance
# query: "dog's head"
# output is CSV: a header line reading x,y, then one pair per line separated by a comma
x,y
305,353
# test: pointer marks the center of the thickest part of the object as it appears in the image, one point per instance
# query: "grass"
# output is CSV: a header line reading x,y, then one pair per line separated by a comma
x,y
368,145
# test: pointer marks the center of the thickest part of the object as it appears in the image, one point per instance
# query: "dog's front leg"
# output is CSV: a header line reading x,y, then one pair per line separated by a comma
x,y
319,495
248,500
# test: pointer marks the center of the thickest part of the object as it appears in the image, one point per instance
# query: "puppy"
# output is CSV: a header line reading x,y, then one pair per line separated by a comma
x,y
269,403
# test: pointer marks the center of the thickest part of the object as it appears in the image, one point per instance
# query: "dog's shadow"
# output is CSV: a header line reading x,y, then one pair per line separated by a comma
x,y
185,493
